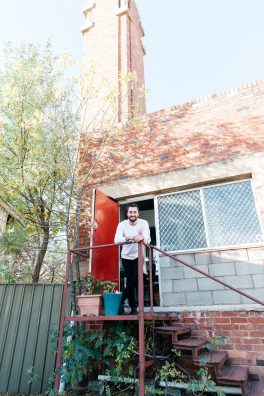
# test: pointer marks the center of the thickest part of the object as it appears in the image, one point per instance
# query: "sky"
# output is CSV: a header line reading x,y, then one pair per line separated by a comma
x,y
194,47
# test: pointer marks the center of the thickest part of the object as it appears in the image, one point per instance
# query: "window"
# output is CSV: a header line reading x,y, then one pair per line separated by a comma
x,y
222,215
122,3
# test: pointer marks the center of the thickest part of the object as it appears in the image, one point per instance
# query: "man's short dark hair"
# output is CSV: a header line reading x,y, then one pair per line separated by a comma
x,y
132,205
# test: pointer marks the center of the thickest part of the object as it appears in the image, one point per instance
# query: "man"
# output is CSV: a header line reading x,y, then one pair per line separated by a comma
x,y
131,230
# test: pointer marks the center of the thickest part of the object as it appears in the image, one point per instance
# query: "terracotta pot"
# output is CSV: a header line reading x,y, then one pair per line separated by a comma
x,y
90,304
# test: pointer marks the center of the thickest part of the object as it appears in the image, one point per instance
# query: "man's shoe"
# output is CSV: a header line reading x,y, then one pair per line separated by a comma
x,y
134,311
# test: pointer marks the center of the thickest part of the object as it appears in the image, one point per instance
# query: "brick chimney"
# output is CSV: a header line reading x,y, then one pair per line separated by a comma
x,y
112,48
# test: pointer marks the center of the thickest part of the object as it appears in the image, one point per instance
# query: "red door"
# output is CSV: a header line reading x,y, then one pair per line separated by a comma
x,y
105,261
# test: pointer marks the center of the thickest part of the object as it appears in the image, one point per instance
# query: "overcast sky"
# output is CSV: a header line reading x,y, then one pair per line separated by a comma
x,y
194,47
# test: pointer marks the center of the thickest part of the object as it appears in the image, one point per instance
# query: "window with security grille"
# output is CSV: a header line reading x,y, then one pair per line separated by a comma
x,y
221,215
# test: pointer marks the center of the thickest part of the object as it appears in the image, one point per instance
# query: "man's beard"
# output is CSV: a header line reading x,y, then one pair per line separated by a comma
x,y
133,219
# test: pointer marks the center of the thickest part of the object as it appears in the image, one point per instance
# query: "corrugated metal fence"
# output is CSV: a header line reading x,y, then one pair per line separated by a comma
x,y
27,313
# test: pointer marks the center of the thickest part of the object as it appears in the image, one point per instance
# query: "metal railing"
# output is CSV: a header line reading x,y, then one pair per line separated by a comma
x,y
141,316
207,275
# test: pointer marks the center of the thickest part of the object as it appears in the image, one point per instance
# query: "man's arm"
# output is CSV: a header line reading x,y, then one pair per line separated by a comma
x,y
146,232
119,235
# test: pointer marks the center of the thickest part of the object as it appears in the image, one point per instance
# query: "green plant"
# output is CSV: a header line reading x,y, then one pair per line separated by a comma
x,y
80,352
203,382
215,342
108,286
33,377
171,372
120,351
85,353
89,284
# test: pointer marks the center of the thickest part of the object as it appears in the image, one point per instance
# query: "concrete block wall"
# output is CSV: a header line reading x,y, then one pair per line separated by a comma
x,y
243,331
241,268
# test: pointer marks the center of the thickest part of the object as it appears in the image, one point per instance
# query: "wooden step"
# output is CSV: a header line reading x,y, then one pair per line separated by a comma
x,y
233,375
255,388
191,344
173,330
180,329
212,358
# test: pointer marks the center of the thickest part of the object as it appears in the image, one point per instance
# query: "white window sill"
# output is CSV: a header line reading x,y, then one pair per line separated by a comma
x,y
216,249
88,8
124,11
87,27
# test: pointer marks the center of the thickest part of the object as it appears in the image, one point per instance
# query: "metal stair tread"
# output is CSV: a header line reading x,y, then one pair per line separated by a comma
x,y
173,329
255,388
191,342
233,374
213,357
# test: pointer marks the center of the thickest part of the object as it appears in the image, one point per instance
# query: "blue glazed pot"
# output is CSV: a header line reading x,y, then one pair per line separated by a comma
x,y
111,303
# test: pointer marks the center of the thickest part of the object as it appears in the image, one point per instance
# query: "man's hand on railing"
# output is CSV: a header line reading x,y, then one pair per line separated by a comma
x,y
135,238
138,238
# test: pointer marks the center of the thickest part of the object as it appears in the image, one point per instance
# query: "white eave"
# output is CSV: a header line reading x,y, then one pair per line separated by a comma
x,y
88,8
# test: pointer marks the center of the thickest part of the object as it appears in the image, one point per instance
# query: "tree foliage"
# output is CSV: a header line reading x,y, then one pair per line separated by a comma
x,y
44,119
38,152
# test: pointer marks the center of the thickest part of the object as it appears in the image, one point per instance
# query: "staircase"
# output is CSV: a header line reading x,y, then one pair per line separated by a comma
x,y
222,372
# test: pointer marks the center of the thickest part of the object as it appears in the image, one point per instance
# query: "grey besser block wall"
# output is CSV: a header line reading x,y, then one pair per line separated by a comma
x,y
241,268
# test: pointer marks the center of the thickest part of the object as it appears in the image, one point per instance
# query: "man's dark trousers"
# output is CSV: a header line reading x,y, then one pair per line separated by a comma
x,y
131,274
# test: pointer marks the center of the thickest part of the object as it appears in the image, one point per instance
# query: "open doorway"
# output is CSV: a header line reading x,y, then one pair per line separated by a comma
x,y
146,212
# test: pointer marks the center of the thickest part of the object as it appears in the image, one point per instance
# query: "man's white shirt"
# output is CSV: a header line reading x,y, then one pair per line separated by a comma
x,y
124,229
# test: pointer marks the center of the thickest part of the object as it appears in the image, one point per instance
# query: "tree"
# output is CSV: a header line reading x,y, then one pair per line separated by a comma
x,y
44,118
38,149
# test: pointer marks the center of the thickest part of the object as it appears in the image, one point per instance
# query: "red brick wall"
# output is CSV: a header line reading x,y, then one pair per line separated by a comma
x,y
112,48
214,129
244,332
136,56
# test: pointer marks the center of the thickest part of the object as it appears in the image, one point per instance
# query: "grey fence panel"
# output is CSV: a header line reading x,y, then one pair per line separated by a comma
x,y
50,355
27,314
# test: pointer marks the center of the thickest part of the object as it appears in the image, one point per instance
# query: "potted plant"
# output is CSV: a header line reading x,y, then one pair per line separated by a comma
x,y
90,299
111,298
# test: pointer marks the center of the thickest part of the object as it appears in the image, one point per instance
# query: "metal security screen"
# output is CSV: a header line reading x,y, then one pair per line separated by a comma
x,y
223,215
181,221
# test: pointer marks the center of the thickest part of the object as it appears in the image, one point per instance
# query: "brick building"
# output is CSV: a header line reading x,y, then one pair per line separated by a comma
x,y
197,170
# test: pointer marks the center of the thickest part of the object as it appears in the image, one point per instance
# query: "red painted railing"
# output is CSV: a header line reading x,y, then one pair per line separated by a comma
x,y
207,275
141,317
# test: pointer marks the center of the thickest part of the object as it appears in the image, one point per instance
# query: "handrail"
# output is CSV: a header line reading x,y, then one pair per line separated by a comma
x,y
207,275
140,316
79,251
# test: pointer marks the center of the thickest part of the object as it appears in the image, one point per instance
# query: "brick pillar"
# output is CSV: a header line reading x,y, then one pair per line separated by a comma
x,y
112,47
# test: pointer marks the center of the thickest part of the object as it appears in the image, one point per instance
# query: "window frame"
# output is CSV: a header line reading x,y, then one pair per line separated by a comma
x,y
211,248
